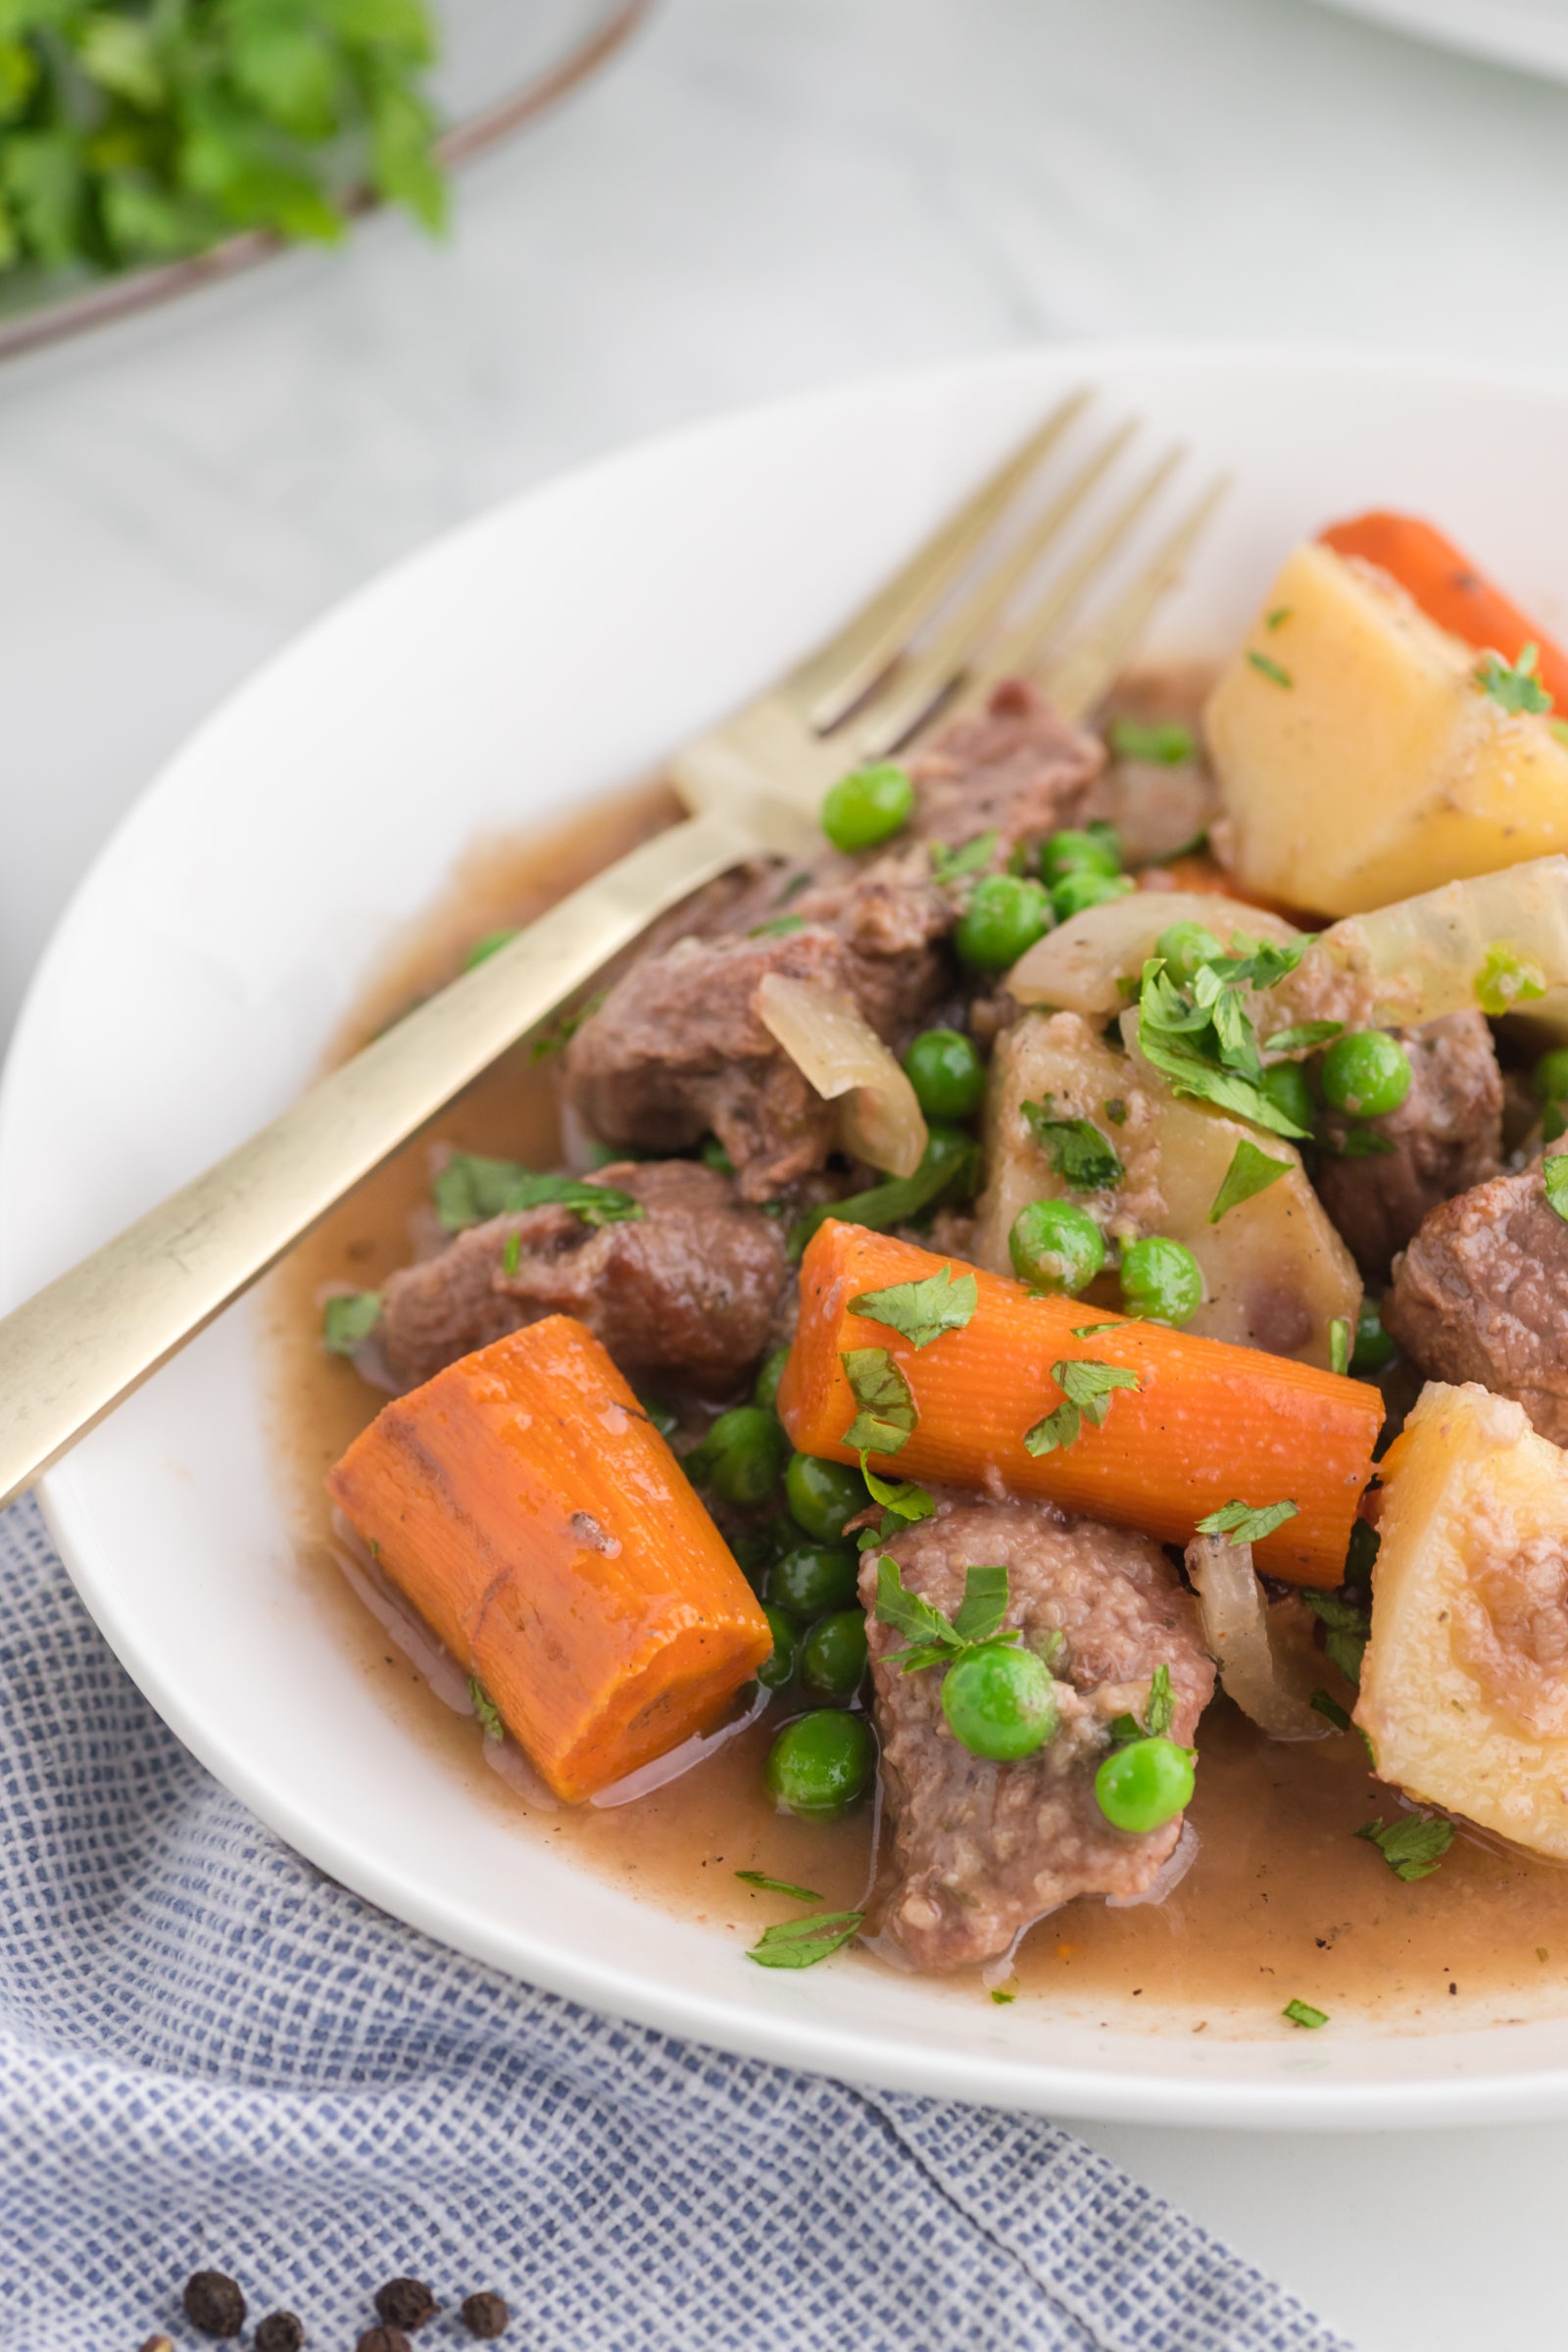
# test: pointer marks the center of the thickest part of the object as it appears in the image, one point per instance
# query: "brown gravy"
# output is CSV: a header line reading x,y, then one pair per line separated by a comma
x,y
1282,1901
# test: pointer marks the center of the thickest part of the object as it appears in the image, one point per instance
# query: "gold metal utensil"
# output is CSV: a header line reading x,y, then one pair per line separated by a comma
x,y
958,614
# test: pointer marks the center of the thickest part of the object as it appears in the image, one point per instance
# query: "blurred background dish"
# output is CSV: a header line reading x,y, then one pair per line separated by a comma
x,y
1531,35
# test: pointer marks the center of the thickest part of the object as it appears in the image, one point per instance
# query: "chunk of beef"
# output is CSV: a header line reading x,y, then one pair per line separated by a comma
x,y
690,1287
1018,767
1447,1136
980,1850
1481,1293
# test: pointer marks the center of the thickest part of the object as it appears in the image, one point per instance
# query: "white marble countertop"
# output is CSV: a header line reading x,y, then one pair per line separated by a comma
x,y
766,194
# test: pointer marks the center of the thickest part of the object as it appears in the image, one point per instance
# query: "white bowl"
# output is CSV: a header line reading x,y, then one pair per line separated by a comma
x,y
552,649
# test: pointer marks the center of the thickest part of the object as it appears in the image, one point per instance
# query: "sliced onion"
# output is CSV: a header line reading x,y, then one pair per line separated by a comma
x,y
1080,966
1253,1667
835,1049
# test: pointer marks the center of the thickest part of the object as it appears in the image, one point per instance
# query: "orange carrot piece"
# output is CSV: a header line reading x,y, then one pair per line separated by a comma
x,y
1209,1423
542,1527
1196,870
1450,590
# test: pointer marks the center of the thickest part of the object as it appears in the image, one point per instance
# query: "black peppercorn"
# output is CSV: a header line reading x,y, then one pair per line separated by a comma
x,y
406,2303
383,2339
280,2331
485,2315
214,2303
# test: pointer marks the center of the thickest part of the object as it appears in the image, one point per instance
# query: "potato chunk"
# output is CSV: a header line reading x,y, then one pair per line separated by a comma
x,y
1276,1275
1357,760
1464,1688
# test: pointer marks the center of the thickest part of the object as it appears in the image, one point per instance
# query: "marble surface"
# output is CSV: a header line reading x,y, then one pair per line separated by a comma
x,y
762,195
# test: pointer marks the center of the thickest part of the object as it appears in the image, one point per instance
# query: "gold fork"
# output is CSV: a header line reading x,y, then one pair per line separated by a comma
x,y
940,631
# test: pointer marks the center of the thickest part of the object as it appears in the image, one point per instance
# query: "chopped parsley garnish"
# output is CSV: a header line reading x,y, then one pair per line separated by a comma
x,y
949,1169
511,1254
1330,1709
484,1706
1250,1173
348,1320
801,1942
759,1878
1347,1631
1306,1034
921,1311
1088,1388
1278,618
1077,1150
1302,2013
1506,979
565,1025
664,1417
1002,1998
1267,667
934,1639
1340,1344
1202,1041
887,1418
779,927
971,857
1244,1523
1160,1714
1514,686
1554,1175
472,1189
904,1505
1412,1848
1163,745
1116,1111
1360,1557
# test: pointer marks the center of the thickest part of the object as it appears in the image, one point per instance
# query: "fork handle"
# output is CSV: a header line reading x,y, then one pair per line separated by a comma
x,y
69,1354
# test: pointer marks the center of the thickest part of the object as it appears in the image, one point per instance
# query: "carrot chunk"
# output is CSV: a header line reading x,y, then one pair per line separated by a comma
x,y
542,1527
1450,590
1206,1424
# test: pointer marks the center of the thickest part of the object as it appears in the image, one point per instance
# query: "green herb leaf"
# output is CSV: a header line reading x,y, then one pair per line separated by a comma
x,y
1002,1998
348,1320
1412,1848
484,1706
1506,979
1163,745
1360,1142
1077,1150
1514,686
759,1878
780,927
979,1615
1116,1111
1269,669
1160,1712
971,857
1340,1344
915,1619
936,1640
511,1254
1554,1176
1090,1386
1244,1523
1057,1430
1278,618
1305,1035
564,1027
1348,1630
1330,1709
1302,2013
1206,1051
946,1171
900,1498
801,1942
472,1189
887,1418
921,1311
1250,1173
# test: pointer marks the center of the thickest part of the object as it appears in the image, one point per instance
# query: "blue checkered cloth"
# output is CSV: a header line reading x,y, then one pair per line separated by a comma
x,y
213,2056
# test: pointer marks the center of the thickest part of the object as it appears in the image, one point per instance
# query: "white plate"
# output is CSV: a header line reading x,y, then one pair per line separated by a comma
x,y
1530,34
551,648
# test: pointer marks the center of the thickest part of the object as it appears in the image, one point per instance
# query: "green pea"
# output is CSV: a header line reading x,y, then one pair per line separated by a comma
x,y
1373,1347
1160,1280
1077,891
766,1391
1186,946
1144,1784
1367,1073
1097,850
1005,915
833,1654
815,1579
491,944
823,1496
1285,1086
775,1670
753,1557
1551,1078
741,1456
867,806
946,1073
1002,1703
1056,1245
821,1763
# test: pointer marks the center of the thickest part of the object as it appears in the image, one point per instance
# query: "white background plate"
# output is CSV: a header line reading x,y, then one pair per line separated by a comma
x,y
554,648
